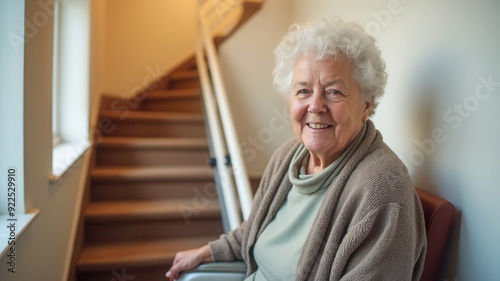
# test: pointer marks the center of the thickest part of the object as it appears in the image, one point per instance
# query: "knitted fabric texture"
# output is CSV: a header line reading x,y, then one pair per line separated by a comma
x,y
370,225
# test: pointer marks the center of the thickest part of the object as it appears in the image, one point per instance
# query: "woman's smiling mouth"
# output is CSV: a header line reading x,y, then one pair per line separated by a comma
x,y
318,125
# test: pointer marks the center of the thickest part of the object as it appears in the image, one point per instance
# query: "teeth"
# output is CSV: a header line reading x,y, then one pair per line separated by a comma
x,y
318,126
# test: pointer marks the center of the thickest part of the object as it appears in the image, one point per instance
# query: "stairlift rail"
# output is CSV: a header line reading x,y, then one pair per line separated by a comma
x,y
227,186
237,162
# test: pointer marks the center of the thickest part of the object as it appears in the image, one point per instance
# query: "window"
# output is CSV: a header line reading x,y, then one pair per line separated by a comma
x,y
70,83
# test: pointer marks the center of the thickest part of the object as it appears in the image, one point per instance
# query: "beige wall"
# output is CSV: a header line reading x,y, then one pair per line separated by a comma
x,y
261,116
143,39
42,251
97,43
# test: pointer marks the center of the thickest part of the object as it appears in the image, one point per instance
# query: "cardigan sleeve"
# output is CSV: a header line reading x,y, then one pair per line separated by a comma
x,y
229,247
383,246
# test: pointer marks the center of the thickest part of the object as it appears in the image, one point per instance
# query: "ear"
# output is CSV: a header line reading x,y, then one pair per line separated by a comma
x,y
368,109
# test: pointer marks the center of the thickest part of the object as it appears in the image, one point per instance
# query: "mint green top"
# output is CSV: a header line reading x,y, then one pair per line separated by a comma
x,y
278,248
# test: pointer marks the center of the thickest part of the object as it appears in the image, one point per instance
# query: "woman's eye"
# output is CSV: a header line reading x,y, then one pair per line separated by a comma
x,y
335,92
303,91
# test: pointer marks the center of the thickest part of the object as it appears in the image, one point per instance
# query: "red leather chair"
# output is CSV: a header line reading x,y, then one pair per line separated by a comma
x,y
439,215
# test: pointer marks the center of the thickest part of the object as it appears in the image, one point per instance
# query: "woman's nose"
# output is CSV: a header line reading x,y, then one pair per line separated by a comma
x,y
317,104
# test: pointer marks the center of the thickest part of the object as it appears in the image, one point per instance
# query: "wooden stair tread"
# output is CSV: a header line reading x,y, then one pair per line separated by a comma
x,y
137,142
168,209
173,93
141,253
151,173
185,74
153,116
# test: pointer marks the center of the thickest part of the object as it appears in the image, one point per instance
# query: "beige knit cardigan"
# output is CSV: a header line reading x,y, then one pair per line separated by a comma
x,y
370,225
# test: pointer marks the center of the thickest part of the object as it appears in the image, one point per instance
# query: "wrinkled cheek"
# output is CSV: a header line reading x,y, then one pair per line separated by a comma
x,y
297,112
297,109
340,115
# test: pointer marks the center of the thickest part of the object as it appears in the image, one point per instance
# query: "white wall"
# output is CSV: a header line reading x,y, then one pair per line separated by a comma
x,y
42,251
11,98
436,53
142,40
261,116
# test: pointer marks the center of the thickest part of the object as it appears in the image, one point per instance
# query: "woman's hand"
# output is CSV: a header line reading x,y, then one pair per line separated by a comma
x,y
188,259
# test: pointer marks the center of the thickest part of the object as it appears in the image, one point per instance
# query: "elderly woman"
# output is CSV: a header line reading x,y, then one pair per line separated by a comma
x,y
336,203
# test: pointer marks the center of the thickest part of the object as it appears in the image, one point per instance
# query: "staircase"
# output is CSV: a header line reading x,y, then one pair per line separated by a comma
x,y
151,191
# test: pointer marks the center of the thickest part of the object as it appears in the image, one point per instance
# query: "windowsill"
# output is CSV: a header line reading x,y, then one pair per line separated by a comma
x,y
21,224
65,155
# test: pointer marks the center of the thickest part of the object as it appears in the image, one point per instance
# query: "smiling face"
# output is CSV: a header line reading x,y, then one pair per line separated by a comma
x,y
326,106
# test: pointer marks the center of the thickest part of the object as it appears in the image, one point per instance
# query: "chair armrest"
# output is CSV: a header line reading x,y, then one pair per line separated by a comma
x,y
216,271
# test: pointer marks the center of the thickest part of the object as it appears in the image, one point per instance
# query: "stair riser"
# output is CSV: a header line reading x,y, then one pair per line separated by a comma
x,y
143,128
128,273
184,83
151,190
188,65
159,85
108,156
187,105
123,231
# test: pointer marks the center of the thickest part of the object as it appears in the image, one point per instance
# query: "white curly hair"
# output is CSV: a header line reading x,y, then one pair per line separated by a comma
x,y
327,39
